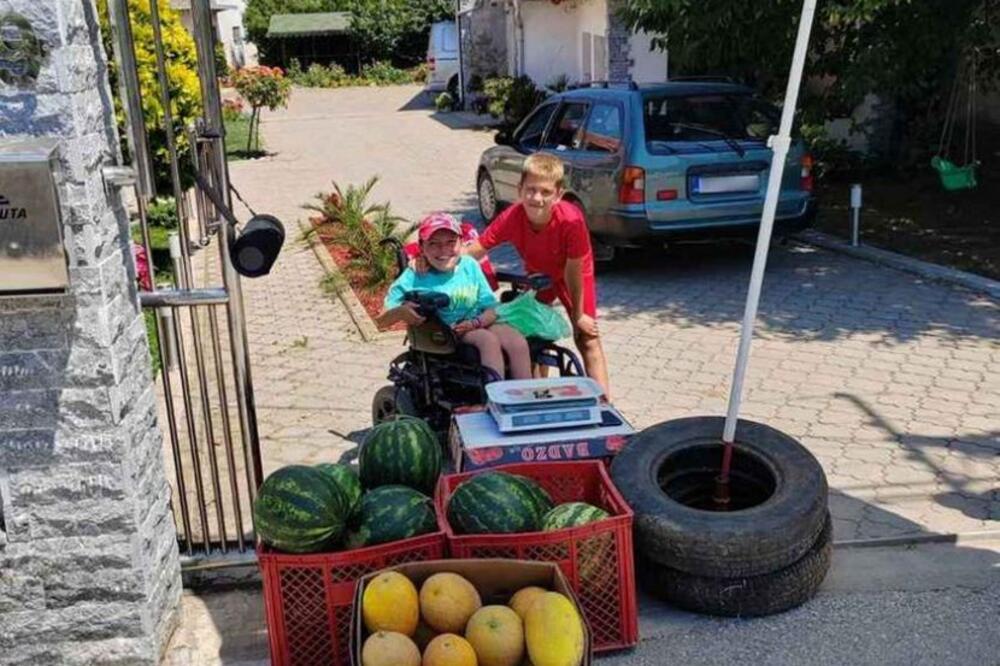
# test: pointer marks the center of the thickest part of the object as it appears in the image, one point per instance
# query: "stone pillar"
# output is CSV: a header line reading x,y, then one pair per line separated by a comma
x,y
89,570
619,46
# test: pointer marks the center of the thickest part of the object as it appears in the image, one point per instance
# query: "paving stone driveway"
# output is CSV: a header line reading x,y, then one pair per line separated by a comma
x,y
892,382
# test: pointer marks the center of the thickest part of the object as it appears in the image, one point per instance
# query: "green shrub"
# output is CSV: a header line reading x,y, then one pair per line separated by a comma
x,y
182,77
162,213
383,73
444,102
261,87
511,99
558,84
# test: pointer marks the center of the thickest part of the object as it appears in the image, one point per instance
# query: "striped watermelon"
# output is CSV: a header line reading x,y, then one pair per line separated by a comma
x,y
403,451
391,513
347,480
572,514
299,509
497,503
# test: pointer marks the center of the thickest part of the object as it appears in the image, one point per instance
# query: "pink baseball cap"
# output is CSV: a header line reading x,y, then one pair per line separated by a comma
x,y
436,222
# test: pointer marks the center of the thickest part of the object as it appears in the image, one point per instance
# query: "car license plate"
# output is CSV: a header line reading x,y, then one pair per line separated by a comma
x,y
726,184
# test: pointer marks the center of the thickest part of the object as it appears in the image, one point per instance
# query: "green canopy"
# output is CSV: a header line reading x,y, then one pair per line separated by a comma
x,y
309,25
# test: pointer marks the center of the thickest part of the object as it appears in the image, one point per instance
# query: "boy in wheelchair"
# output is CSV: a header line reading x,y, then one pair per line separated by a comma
x,y
455,345
471,302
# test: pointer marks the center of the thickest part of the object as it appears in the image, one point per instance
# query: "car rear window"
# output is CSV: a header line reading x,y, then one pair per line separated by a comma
x,y
673,119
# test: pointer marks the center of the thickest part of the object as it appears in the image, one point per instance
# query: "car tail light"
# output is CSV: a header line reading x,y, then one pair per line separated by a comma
x,y
666,195
806,181
633,189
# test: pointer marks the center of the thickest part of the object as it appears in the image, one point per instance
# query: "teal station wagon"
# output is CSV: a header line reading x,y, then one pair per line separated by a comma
x,y
657,163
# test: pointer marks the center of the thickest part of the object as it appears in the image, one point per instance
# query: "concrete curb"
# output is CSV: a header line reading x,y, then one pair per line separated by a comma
x,y
924,269
359,316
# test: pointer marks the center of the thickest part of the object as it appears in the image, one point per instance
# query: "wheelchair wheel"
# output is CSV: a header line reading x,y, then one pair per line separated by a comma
x,y
390,402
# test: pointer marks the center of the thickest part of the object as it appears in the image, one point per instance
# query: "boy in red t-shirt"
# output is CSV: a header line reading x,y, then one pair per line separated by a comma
x,y
552,238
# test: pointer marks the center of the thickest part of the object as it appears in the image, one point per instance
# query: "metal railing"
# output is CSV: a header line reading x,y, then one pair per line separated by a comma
x,y
205,374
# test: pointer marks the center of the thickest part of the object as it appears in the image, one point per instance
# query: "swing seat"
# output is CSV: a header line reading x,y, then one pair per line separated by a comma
x,y
954,177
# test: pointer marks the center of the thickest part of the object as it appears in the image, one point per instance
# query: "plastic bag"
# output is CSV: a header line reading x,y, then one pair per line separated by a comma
x,y
533,319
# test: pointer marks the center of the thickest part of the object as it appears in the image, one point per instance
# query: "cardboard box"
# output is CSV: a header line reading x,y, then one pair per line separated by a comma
x,y
476,442
496,581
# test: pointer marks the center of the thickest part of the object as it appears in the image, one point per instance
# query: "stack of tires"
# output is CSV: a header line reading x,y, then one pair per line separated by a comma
x,y
766,553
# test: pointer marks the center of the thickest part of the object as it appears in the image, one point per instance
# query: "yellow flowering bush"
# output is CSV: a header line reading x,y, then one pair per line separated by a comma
x,y
182,77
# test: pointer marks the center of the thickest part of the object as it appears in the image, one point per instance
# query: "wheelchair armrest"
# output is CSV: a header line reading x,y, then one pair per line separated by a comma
x,y
522,282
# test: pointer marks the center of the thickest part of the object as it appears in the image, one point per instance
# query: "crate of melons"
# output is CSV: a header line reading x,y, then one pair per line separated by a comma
x,y
469,613
569,513
321,528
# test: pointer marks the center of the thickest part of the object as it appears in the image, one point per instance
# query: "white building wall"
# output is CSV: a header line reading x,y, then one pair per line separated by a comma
x,y
553,36
649,65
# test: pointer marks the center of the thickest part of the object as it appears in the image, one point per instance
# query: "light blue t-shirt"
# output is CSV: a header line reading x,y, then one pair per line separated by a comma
x,y
466,286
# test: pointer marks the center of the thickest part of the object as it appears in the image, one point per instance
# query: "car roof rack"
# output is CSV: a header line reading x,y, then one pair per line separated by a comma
x,y
630,84
703,78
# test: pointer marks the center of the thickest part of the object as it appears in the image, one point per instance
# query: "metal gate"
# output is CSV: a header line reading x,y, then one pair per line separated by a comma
x,y
212,450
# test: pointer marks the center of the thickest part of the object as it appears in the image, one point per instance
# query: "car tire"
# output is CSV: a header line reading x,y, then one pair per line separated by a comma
x,y
486,194
778,481
744,596
391,401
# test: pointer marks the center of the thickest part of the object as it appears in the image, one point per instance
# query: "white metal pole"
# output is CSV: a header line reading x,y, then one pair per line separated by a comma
x,y
779,145
856,214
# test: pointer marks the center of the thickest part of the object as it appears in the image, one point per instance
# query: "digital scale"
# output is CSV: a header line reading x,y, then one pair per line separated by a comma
x,y
518,405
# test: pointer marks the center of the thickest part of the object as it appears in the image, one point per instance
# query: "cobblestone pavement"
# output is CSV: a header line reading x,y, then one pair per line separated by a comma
x,y
892,382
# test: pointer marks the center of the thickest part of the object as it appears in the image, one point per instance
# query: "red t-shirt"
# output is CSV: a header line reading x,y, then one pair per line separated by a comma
x,y
545,251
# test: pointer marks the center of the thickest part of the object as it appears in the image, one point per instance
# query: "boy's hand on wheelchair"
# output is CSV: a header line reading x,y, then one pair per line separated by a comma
x,y
409,313
419,264
586,324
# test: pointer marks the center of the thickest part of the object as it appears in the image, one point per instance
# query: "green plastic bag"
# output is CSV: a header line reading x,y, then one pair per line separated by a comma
x,y
533,319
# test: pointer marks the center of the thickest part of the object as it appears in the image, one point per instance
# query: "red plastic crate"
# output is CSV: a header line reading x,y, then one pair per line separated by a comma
x,y
606,588
308,598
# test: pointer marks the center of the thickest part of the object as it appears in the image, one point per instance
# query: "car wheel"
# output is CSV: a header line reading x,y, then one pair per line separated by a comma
x,y
778,497
487,195
743,596
390,402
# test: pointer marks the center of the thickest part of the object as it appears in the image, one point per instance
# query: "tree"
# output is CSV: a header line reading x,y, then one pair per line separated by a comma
x,y
396,29
182,78
257,17
906,51
260,87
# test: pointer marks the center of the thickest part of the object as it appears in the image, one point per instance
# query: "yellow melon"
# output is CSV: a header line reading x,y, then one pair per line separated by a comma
x,y
449,650
389,648
497,636
390,603
553,631
523,598
447,601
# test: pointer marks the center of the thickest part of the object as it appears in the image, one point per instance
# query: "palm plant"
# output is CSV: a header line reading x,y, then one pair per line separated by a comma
x,y
349,219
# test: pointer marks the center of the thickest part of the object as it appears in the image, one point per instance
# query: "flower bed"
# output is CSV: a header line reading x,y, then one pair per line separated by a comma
x,y
357,235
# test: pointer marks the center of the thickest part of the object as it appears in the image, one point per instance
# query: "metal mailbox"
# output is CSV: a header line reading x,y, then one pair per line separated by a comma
x,y
32,256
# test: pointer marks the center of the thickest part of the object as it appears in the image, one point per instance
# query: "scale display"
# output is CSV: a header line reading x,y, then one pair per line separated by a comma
x,y
539,404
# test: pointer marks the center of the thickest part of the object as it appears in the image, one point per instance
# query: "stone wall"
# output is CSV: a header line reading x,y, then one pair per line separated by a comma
x,y
619,46
89,569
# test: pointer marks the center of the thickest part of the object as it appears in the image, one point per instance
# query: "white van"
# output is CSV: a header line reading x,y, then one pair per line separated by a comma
x,y
442,57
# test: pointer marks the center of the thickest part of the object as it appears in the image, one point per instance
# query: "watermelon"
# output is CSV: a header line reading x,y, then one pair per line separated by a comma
x,y
347,480
299,509
497,503
403,451
572,514
391,513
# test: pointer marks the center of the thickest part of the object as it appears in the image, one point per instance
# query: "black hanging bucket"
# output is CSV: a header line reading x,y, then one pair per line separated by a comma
x,y
255,249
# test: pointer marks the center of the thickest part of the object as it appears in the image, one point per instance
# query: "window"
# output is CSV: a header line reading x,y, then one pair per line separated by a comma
x,y
237,34
703,118
530,135
565,132
600,68
604,129
586,59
